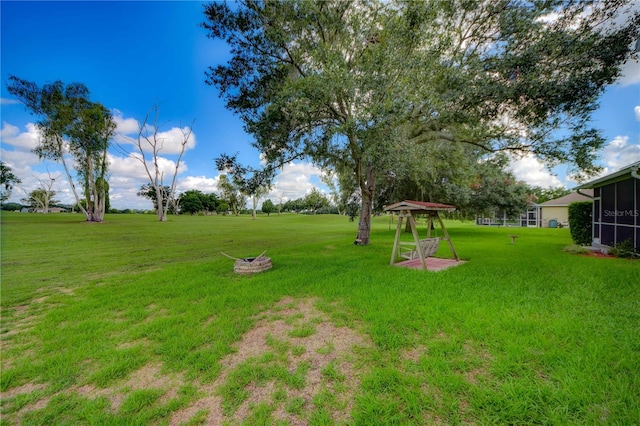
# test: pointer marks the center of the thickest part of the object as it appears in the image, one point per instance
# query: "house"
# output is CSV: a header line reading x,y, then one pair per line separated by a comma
x,y
616,207
554,213
51,210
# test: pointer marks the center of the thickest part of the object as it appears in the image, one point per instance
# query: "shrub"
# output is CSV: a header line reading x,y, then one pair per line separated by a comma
x,y
580,222
624,249
11,207
575,249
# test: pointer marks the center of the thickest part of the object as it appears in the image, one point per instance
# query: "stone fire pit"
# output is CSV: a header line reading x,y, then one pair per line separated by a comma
x,y
251,265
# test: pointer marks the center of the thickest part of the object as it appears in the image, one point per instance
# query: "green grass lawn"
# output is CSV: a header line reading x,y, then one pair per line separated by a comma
x,y
138,322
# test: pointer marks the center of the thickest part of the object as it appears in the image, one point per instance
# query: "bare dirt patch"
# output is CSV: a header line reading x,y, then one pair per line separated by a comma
x,y
324,355
295,363
21,318
65,290
24,389
34,390
147,377
414,354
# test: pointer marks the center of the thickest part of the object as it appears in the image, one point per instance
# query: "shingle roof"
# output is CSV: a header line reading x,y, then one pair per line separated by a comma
x,y
419,205
617,175
568,199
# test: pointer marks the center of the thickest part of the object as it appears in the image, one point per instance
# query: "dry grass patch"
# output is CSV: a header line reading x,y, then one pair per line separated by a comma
x,y
149,377
20,390
278,374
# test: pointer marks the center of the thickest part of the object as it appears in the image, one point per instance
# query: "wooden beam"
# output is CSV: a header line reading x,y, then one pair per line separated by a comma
x,y
446,236
429,224
397,240
416,238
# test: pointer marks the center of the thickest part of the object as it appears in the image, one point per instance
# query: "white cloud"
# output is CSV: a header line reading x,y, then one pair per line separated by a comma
x,y
123,193
201,183
7,101
23,161
125,198
630,73
33,179
533,171
127,175
168,142
631,68
172,140
125,126
549,18
19,161
293,182
619,153
637,111
24,141
553,17
126,167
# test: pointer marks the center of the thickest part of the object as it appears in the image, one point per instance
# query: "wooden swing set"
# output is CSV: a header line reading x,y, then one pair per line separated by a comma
x,y
419,248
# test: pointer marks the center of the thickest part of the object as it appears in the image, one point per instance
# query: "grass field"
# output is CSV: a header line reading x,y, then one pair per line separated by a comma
x,y
138,322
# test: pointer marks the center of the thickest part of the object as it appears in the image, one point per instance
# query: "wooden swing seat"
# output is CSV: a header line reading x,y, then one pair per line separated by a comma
x,y
409,251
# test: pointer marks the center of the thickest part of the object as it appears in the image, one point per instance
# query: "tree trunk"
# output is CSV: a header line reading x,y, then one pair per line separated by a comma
x,y
90,190
367,187
100,188
101,202
73,188
161,212
255,204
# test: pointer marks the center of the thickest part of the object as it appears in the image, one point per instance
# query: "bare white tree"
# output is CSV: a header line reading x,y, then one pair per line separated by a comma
x,y
42,196
280,200
150,144
255,197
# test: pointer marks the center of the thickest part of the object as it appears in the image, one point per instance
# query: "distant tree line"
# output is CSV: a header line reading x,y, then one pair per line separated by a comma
x,y
484,190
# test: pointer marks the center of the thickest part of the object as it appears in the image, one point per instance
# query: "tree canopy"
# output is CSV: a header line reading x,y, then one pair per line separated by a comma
x,y
148,191
72,124
231,194
195,201
315,200
268,207
345,83
7,181
40,199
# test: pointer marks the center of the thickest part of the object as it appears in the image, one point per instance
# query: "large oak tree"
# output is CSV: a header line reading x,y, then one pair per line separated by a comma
x,y
347,82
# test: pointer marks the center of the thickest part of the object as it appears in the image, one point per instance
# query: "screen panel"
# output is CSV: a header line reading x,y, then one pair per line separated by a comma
x,y
625,206
609,203
607,234
624,233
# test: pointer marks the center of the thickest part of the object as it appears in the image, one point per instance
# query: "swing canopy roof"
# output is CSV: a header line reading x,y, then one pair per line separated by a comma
x,y
419,206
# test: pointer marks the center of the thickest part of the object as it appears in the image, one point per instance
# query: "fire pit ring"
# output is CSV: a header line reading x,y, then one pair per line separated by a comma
x,y
251,265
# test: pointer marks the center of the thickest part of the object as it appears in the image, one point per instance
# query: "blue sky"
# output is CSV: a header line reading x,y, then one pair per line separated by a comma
x,y
133,54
